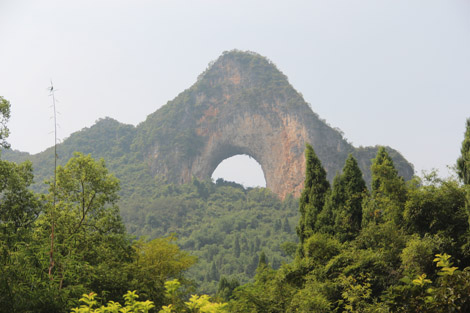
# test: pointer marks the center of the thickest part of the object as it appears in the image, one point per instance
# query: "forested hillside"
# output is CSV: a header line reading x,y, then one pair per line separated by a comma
x,y
225,225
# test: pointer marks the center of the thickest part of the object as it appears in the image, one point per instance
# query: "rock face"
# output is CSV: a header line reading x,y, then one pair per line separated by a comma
x,y
242,104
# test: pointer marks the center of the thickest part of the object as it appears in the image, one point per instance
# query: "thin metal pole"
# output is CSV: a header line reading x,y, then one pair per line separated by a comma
x,y
51,253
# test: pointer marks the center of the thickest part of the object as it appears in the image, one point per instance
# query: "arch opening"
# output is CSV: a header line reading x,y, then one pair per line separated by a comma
x,y
242,169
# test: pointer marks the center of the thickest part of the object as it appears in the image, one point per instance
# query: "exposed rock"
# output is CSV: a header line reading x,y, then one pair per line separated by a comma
x,y
243,104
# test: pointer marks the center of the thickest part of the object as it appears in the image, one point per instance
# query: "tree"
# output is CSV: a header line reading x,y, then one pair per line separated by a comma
x,y
263,261
19,208
4,117
286,226
91,246
347,197
388,191
226,287
385,179
155,262
214,273
312,198
131,305
236,247
463,162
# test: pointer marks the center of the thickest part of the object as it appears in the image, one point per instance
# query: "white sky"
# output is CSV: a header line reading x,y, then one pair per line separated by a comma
x,y
390,72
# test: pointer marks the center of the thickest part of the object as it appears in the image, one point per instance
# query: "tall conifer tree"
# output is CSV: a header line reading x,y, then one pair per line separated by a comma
x,y
349,196
463,165
385,179
236,248
312,199
463,162
388,194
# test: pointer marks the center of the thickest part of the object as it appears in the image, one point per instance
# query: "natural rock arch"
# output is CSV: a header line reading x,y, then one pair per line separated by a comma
x,y
242,104
241,169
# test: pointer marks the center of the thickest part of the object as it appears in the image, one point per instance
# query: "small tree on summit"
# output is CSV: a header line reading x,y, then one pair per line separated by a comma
x,y
313,195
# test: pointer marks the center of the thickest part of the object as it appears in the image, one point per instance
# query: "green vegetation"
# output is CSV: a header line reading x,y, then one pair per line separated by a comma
x,y
397,247
4,117
225,225
313,196
463,162
51,254
382,262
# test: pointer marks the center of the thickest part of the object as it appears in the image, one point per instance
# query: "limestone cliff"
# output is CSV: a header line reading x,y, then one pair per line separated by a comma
x,y
242,104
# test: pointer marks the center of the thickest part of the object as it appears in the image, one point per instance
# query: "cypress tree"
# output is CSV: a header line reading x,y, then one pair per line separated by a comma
x,y
347,197
263,260
312,199
463,162
385,179
463,166
286,226
388,194
236,248
326,219
214,273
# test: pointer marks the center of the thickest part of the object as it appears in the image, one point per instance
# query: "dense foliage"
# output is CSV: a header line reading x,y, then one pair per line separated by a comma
x,y
52,252
71,240
225,225
390,249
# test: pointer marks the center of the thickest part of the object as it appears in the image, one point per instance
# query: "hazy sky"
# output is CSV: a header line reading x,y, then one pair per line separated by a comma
x,y
389,72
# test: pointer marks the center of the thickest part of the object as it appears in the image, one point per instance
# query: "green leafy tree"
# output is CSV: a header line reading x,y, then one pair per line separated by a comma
x,y
90,243
131,305
196,303
313,195
155,262
226,287
436,207
19,208
4,117
269,292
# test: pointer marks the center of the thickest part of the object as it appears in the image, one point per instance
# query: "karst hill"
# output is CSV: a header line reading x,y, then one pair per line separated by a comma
x,y
242,104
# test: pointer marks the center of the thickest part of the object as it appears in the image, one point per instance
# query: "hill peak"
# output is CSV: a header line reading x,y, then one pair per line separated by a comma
x,y
245,68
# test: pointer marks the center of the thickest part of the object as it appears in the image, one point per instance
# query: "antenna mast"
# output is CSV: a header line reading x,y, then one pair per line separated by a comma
x,y
51,253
